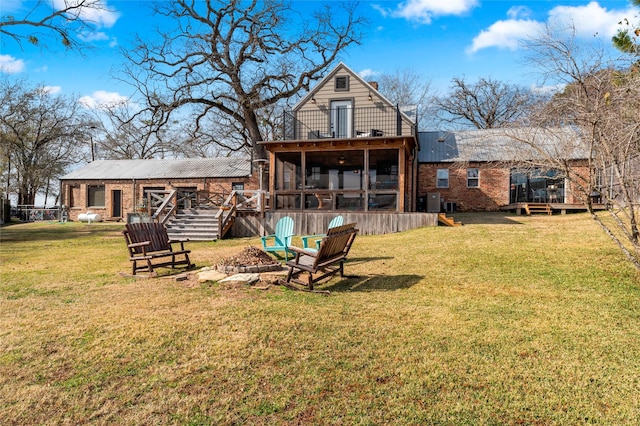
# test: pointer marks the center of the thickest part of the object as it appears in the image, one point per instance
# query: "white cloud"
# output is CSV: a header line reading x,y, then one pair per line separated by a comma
x,y
383,11
11,65
101,15
505,34
102,98
589,21
547,90
52,90
93,36
518,12
368,73
422,11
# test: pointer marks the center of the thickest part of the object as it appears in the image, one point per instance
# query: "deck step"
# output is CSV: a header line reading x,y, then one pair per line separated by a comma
x,y
447,221
545,208
195,225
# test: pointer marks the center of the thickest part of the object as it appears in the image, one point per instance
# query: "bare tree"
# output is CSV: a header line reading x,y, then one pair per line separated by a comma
x,y
406,87
42,134
220,135
486,104
235,58
62,20
602,102
122,132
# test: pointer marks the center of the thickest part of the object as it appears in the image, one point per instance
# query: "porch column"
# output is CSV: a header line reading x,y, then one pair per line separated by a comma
x,y
401,180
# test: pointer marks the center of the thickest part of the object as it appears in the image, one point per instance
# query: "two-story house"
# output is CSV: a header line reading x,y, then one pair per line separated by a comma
x,y
346,148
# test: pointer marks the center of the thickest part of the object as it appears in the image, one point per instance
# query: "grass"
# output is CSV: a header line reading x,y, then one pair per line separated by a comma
x,y
507,320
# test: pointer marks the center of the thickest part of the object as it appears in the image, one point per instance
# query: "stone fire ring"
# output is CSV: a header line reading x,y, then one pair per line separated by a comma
x,y
248,269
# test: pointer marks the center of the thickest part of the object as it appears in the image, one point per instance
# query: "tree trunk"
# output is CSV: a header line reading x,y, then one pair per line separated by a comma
x,y
259,151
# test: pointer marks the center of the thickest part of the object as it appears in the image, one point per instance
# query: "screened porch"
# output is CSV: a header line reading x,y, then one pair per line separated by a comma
x,y
343,175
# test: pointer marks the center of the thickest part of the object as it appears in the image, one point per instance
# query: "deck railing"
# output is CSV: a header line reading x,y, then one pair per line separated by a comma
x,y
356,122
161,205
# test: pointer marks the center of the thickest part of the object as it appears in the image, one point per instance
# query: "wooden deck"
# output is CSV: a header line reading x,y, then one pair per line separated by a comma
x,y
561,208
248,225
447,221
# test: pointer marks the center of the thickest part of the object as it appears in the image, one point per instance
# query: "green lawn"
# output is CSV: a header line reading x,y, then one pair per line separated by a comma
x,y
506,320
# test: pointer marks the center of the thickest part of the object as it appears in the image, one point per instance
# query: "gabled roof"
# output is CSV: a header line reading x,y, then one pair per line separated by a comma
x,y
490,145
342,67
163,169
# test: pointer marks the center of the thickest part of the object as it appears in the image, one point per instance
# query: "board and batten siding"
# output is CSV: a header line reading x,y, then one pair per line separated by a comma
x,y
369,108
316,223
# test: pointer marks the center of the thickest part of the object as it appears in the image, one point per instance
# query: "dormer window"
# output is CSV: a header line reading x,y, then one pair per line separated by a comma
x,y
342,83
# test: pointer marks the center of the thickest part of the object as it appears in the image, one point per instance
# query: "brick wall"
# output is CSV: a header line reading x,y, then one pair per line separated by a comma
x,y
75,193
492,192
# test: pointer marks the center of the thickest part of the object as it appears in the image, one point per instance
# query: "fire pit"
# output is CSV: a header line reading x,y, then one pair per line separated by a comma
x,y
249,260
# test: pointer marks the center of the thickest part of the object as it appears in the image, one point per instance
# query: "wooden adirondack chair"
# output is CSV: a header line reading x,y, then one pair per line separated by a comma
x,y
328,260
150,247
281,239
313,241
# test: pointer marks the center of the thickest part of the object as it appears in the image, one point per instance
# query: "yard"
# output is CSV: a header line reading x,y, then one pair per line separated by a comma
x,y
506,320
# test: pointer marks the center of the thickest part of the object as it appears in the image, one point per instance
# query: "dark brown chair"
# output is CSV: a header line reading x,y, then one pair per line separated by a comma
x,y
149,242
327,260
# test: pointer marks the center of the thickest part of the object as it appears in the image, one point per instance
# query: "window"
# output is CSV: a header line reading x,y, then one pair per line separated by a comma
x,y
342,83
288,171
473,178
237,186
536,186
95,196
315,173
335,170
383,169
342,119
442,176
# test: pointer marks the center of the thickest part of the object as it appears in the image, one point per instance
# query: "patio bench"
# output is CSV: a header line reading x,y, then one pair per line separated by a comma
x,y
150,247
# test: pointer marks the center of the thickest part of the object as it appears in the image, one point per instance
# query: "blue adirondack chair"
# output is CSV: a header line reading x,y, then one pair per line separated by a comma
x,y
312,242
281,239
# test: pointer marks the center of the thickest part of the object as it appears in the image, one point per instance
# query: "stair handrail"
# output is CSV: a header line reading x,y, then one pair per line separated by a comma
x,y
257,197
227,213
167,207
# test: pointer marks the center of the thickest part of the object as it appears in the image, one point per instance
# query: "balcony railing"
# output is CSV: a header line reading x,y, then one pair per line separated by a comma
x,y
346,123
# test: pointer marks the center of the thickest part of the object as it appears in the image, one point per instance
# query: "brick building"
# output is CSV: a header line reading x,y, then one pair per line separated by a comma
x,y
486,170
115,188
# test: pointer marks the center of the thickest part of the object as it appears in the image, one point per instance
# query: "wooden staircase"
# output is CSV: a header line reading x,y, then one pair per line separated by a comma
x,y
447,221
194,224
530,208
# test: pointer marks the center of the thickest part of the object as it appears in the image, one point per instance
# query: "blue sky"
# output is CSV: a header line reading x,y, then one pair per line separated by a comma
x,y
439,39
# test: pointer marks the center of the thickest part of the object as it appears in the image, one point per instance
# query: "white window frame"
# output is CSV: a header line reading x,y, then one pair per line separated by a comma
x,y
471,177
442,175
342,119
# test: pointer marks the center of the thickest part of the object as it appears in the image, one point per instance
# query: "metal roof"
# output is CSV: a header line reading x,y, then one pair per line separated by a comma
x,y
500,145
163,169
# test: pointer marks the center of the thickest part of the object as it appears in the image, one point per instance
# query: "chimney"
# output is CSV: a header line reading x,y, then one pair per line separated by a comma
x,y
373,84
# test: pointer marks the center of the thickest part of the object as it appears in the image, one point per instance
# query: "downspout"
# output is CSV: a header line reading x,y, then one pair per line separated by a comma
x,y
415,180
62,202
135,197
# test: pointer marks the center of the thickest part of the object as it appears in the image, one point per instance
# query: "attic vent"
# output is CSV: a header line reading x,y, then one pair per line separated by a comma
x,y
342,83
